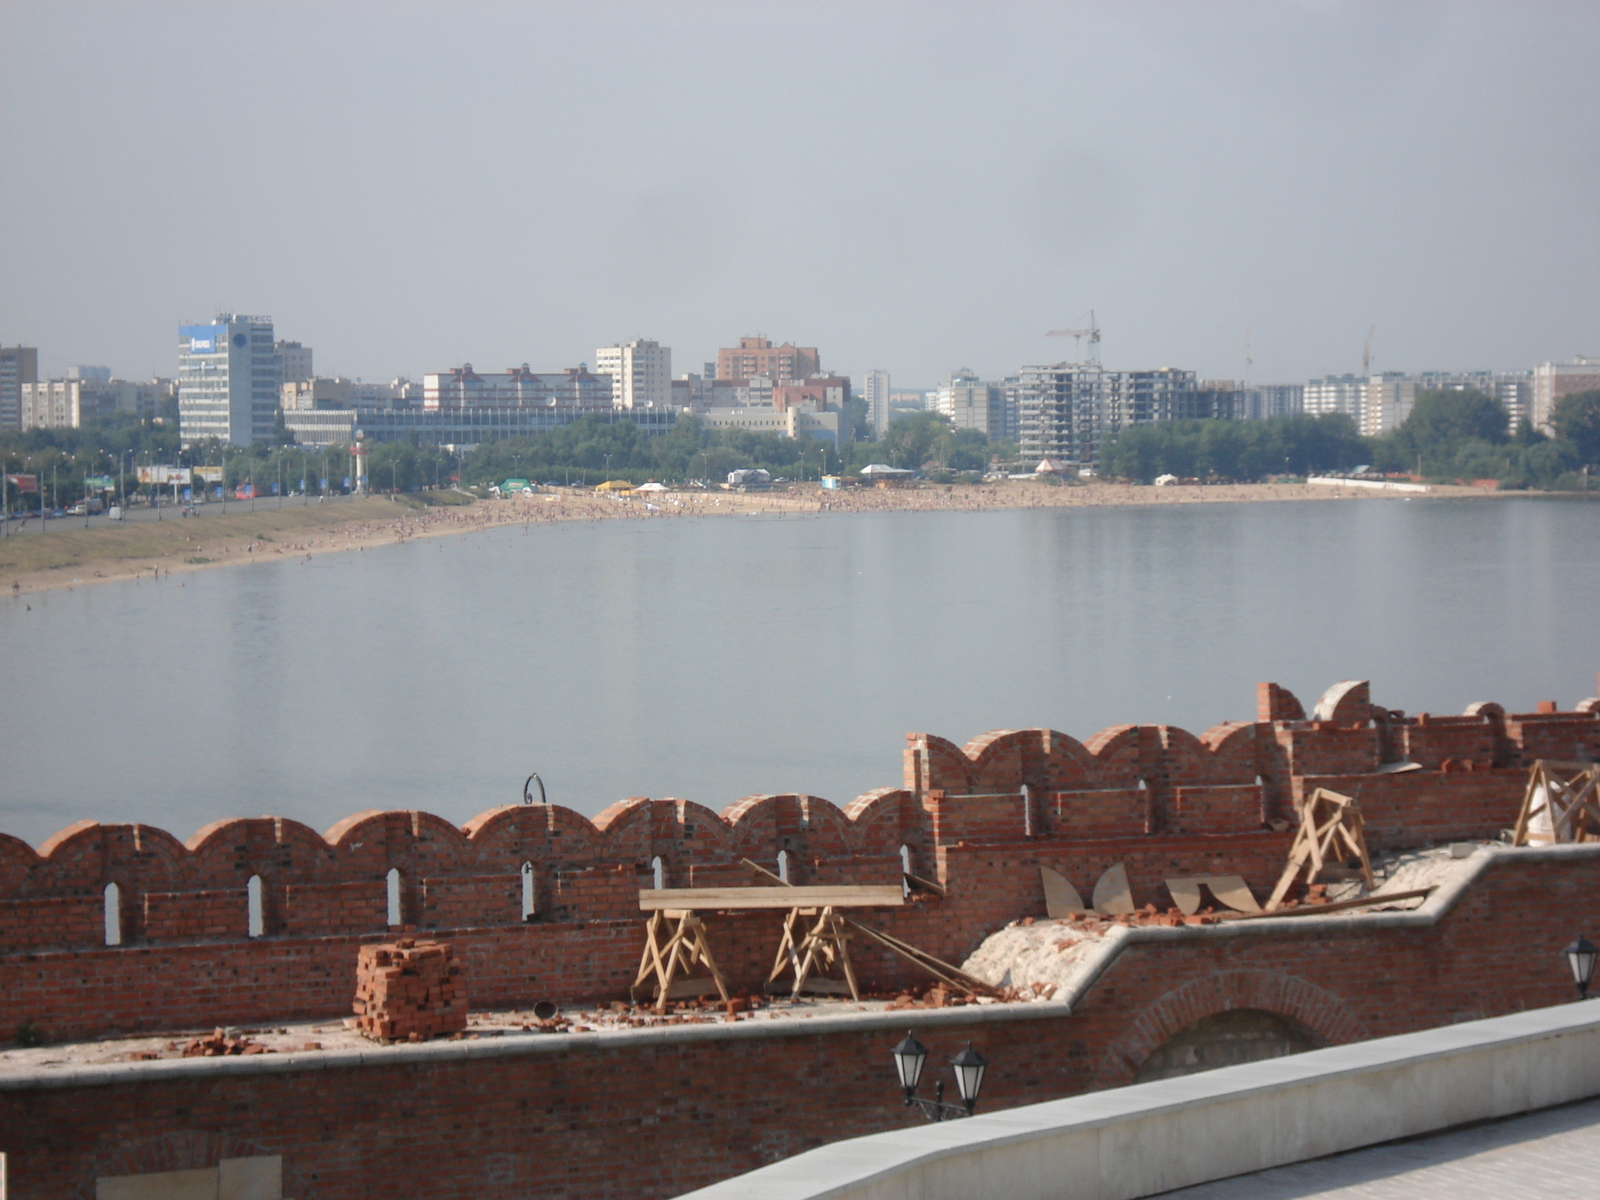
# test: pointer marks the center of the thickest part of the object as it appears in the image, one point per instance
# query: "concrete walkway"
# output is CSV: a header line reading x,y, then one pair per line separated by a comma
x,y
1553,1154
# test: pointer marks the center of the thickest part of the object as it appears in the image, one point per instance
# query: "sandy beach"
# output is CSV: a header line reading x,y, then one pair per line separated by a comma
x,y
66,555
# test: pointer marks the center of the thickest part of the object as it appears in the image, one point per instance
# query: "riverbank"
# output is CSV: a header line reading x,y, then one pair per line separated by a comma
x,y
62,556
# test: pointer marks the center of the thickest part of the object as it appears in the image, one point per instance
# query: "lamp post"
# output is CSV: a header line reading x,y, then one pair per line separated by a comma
x,y
969,1066
1580,958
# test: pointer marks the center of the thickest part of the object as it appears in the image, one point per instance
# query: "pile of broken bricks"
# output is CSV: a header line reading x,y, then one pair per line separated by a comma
x,y
409,990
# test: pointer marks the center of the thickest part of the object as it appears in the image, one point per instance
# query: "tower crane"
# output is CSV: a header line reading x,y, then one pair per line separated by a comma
x,y
1092,333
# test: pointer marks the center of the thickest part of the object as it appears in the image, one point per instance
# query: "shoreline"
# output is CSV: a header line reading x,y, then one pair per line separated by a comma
x,y
65,558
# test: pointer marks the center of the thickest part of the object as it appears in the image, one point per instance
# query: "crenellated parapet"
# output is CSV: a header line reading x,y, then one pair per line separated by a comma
x,y
264,877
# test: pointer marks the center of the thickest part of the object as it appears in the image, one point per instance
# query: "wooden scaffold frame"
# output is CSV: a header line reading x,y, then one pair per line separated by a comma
x,y
684,949
819,949
1561,805
1330,834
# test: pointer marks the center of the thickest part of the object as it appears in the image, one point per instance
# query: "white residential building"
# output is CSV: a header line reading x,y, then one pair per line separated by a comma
x,y
1335,394
228,380
68,403
875,391
641,373
1553,380
971,403
1386,402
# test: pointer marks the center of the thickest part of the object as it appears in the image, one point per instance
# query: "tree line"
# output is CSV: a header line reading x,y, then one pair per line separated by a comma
x,y
1448,436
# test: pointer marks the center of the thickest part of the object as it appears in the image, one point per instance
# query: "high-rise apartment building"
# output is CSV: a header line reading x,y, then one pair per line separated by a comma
x,y
787,363
641,373
1386,402
1335,394
1553,380
875,391
18,365
228,380
972,403
68,403
294,363
1513,389
1068,411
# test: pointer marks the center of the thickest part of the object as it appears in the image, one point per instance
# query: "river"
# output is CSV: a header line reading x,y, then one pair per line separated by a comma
x,y
711,659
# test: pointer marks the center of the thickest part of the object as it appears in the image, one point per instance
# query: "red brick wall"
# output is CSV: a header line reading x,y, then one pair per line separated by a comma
x,y
1423,808
49,921
183,916
1228,809
1155,797
590,1121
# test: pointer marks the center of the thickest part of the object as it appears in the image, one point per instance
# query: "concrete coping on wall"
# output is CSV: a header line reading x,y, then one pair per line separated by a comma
x,y
1429,913
1153,1137
898,1020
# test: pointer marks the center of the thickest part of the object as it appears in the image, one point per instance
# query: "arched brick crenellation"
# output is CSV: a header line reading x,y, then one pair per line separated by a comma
x,y
1160,784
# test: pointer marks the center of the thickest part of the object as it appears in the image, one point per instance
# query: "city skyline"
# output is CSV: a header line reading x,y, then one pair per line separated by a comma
x,y
1280,180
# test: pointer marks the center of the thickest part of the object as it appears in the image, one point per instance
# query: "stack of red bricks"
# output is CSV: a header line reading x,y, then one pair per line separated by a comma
x,y
409,990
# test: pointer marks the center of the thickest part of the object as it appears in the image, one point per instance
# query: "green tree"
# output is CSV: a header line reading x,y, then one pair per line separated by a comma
x,y
1440,417
1576,419
912,440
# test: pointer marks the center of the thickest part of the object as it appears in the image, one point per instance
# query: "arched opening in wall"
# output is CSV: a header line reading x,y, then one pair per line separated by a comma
x,y
783,866
658,872
396,917
1226,1039
254,896
530,904
113,914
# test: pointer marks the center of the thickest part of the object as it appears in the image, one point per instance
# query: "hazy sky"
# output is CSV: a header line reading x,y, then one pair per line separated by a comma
x,y
916,186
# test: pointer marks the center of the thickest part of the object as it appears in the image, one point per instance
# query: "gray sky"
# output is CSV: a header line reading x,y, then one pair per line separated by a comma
x,y
915,186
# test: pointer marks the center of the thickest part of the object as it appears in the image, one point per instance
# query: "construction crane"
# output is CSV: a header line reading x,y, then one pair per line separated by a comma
x,y
1366,353
1092,333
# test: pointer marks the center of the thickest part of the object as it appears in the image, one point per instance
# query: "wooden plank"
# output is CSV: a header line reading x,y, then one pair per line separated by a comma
x,y
685,987
1312,910
818,986
829,896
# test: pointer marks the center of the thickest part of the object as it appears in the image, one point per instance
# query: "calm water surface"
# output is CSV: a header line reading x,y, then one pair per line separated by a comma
x,y
711,659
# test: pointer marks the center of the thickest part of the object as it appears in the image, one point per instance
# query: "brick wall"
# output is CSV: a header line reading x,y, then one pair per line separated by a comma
x,y
584,1119
206,913
1426,808
980,818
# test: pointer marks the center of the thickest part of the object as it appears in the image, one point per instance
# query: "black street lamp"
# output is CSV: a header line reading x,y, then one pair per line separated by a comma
x,y
969,1065
1580,957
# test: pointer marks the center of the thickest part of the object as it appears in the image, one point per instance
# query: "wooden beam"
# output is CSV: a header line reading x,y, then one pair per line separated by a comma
x,y
1312,910
828,896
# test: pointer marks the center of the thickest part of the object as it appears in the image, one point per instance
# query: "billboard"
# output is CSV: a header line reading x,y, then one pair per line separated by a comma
x,y
100,483
24,483
203,339
209,474
164,475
